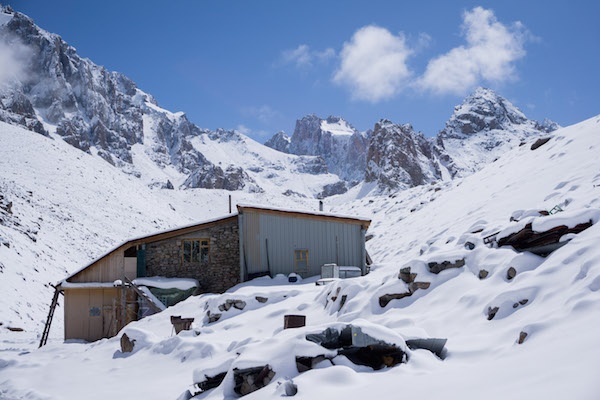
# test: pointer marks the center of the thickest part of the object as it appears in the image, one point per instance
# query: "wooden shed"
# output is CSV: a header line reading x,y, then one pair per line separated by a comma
x,y
102,297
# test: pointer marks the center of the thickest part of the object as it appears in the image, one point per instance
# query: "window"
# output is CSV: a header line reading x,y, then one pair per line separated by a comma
x,y
301,259
195,250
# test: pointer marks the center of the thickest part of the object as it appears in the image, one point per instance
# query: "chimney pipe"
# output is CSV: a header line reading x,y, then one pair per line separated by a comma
x,y
320,205
229,204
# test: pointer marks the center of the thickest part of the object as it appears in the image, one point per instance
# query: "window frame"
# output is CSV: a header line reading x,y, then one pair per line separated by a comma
x,y
194,255
303,253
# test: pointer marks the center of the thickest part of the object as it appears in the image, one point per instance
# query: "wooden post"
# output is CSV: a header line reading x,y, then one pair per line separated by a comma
x,y
123,306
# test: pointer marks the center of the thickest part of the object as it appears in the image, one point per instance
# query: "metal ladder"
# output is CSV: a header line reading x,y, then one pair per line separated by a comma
x,y
53,305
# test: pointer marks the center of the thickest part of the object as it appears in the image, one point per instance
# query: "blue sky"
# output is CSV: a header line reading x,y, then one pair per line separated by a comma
x,y
257,66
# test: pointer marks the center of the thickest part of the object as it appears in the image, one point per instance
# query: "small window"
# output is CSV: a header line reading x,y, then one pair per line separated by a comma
x,y
195,250
301,259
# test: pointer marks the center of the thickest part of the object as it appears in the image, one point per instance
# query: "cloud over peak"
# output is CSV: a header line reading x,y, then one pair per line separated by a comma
x,y
373,64
303,56
489,55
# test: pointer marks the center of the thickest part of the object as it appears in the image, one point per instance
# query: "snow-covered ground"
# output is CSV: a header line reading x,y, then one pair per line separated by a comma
x,y
81,212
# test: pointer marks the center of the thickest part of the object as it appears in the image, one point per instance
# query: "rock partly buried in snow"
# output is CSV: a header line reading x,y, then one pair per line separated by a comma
x,y
437,267
357,346
522,337
237,304
511,273
211,382
409,278
544,234
539,143
491,313
287,388
406,276
249,380
386,298
483,274
127,344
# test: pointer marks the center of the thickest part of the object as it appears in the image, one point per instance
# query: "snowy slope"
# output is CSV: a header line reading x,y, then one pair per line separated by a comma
x,y
554,300
69,207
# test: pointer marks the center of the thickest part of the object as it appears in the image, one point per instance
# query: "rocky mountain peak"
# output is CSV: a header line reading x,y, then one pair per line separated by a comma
x,y
483,127
342,147
483,110
399,157
280,142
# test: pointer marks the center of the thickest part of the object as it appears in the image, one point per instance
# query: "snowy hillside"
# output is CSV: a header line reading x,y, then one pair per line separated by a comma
x,y
105,114
493,299
68,208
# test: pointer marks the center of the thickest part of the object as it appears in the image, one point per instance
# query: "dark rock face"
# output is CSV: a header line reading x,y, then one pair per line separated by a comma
x,y
280,142
311,165
104,113
333,189
342,147
95,108
399,157
481,111
211,176
481,129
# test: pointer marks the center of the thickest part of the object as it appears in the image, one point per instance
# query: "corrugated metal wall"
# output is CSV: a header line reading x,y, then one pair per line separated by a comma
x,y
327,241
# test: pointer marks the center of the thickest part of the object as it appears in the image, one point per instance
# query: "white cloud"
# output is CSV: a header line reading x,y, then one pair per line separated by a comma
x,y
265,113
490,53
13,62
243,129
373,64
303,57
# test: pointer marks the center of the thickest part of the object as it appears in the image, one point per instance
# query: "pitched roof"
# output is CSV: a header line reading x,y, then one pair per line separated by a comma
x,y
229,218
365,222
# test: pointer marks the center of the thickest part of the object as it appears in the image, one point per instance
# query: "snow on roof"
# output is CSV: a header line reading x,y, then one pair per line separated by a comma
x,y
87,285
161,282
160,233
241,207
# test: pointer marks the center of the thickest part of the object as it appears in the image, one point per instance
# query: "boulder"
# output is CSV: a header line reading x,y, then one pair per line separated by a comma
x,y
127,344
522,337
492,312
436,267
386,298
406,276
249,380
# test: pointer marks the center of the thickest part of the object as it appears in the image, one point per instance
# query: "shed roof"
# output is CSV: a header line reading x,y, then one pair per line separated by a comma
x,y
364,222
217,221
155,237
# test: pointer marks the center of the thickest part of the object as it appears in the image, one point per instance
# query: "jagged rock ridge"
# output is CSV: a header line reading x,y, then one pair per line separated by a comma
x,y
399,157
104,113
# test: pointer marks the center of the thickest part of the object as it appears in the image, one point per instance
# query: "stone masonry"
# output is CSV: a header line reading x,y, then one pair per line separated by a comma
x,y
219,273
